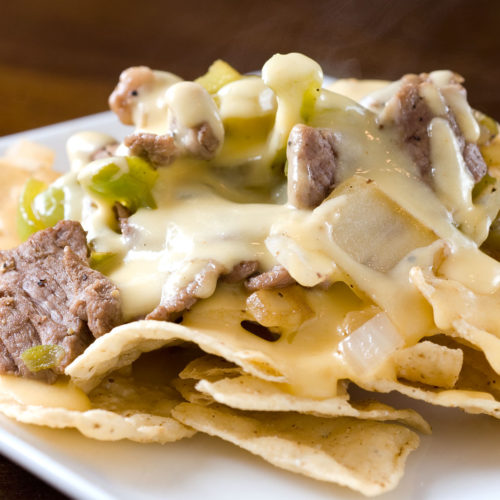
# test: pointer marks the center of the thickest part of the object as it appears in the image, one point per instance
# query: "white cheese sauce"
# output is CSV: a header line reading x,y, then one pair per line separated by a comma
x,y
382,220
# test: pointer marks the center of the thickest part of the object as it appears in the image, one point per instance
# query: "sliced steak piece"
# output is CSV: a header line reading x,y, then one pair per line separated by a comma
x,y
277,277
175,303
125,94
201,141
241,271
49,295
412,114
475,161
312,162
96,299
160,150
122,214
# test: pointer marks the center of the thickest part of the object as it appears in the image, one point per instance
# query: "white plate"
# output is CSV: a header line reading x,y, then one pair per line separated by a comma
x,y
461,460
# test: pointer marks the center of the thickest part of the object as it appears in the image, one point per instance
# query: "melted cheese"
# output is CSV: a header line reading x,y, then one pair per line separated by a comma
x,y
248,97
308,358
150,111
379,223
62,394
189,106
82,146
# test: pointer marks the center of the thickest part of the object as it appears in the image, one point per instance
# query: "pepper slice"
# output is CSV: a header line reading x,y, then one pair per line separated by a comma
x,y
39,207
219,74
49,206
127,180
27,222
42,357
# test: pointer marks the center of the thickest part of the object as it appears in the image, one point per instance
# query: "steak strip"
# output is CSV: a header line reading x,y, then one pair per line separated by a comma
x,y
122,213
173,306
241,271
413,115
277,277
162,150
312,162
50,296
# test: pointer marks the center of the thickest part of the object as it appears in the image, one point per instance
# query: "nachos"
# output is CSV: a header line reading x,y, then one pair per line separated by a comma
x,y
251,250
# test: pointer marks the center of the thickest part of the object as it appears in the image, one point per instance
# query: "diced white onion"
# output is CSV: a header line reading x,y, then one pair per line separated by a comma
x,y
368,347
308,267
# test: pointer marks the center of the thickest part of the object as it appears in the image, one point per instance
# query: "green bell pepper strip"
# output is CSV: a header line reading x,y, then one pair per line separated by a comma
x,y
130,186
42,357
27,222
39,207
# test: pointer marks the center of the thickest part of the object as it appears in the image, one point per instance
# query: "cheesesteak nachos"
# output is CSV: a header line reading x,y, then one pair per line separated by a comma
x,y
254,248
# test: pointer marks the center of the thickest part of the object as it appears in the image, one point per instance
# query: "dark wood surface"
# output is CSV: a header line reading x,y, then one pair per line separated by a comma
x,y
60,60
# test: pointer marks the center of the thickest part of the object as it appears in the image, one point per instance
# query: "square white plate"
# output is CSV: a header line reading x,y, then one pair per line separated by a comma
x,y
461,460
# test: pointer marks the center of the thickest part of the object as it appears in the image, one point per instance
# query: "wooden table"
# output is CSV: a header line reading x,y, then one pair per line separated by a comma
x,y
60,60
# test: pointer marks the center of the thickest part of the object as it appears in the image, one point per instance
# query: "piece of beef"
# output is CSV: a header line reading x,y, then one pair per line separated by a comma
x,y
95,300
201,142
49,295
122,213
174,304
412,114
172,307
475,161
277,277
241,271
413,117
160,150
312,163
122,99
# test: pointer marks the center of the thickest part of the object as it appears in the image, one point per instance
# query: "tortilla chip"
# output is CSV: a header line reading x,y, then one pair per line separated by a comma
x,y
120,409
102,425
250,393
487,342
126,343
209,367
366,456
470,400
460,312
477,389
29,156
124,395
430,364
217,380
187,389
477,373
